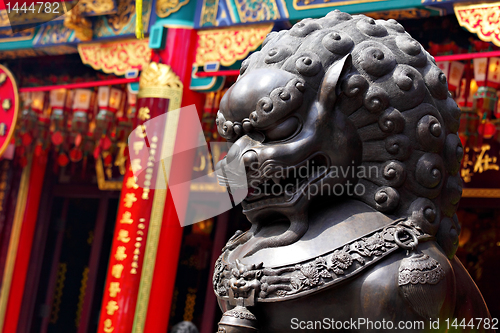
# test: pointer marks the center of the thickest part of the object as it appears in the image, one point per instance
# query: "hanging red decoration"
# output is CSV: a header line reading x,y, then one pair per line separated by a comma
x,y
81,107
58,116
105,143
487,129
108,101
26,139
75,155
62,160
38,150
57,138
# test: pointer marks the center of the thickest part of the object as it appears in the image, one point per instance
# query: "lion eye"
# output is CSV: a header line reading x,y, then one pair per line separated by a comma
x,y
284,130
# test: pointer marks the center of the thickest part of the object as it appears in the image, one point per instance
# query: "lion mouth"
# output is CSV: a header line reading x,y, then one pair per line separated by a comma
x,y
283,186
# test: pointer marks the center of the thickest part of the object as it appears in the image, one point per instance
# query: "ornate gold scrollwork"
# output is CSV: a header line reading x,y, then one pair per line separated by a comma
x,y
159,81
231,44
481,193
4,18
116,57
482,19
97,7
166,7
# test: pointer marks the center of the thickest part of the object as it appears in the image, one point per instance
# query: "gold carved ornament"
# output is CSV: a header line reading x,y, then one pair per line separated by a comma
x,y
228,45
481,19
97,7
160,81
102,183
4,18
116,57
123,21
74,21
311,4
209,12
166,7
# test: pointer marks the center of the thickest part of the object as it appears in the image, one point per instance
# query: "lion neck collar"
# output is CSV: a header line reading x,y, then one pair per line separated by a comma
x,y
329,227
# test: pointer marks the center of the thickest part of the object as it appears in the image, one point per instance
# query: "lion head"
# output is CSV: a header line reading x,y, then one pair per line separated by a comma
x,y
346,93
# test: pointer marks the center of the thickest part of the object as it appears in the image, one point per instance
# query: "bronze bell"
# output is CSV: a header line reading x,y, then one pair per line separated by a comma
x,y
238,320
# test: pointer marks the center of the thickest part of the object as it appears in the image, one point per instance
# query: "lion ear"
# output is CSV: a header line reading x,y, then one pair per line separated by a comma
x,y
328,90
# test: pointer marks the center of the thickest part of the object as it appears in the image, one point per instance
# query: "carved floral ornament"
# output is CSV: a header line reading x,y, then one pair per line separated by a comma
x,y
116,57
482,19
226,46
166,7
160,81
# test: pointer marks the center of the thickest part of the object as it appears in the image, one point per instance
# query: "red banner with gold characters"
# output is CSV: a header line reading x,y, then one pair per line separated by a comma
x,y
9,100
127,255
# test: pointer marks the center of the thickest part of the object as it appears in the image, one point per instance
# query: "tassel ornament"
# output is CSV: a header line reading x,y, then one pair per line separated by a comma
x,y
139,28
417,273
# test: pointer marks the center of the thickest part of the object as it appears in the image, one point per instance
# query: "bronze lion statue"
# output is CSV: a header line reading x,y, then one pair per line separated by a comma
x,y
346,134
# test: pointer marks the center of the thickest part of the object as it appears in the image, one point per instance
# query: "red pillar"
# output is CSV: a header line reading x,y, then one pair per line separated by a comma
x,y
124,273
179,54
20,243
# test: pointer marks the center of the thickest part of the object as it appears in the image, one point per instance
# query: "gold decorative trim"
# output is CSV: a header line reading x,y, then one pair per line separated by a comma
x,y
81,26
122,22
209,13
101,7
400,14
15,234
58,292
160,81
482,19
116,57
102,183
166,7
329,4
257,10
481,193
27,34
157,210
228,45
4,18
81,297
16,110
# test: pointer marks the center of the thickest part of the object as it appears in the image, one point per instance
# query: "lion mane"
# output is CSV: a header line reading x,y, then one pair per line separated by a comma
x,y
398,100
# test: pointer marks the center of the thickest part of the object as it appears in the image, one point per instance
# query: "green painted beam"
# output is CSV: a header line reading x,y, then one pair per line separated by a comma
x,y
24,44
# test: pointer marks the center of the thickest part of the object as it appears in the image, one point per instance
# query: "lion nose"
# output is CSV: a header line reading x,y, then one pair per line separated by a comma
x,y
250,160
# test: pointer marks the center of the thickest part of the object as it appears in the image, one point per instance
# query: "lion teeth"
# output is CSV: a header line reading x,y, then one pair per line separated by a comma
x,y
276,180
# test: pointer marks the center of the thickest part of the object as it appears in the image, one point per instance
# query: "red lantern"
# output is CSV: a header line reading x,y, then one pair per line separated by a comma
x,y
109,101
58,116
126,121
454,70
40,105
81,107
28,118
487,129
